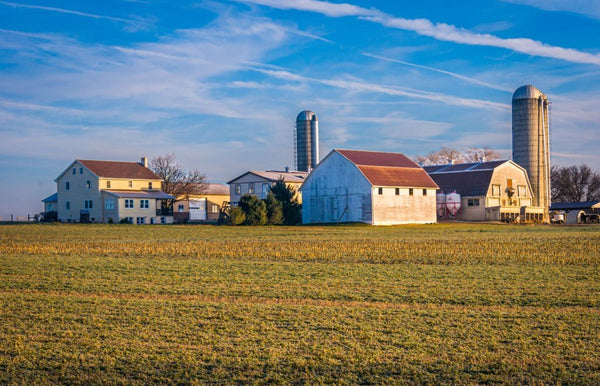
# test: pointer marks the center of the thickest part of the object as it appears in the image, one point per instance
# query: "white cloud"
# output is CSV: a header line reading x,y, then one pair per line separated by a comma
x,y
452,74
133,24
439,31
589,8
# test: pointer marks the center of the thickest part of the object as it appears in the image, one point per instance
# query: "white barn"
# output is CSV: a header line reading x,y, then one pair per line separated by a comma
x,y
365,186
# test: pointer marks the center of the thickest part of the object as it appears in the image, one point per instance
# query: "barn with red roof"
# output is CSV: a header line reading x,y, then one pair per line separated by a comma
x,y
372,187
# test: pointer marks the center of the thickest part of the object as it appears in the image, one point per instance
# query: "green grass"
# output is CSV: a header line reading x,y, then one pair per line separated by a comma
x,y
446,303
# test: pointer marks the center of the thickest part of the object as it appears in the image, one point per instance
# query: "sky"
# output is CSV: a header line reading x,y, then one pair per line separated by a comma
x,y
220,83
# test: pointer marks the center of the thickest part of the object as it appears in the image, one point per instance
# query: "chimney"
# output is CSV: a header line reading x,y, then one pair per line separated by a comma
x,y
287,169
144,162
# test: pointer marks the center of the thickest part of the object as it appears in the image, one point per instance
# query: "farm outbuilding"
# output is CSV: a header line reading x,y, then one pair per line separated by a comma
x,y
371,187
490,191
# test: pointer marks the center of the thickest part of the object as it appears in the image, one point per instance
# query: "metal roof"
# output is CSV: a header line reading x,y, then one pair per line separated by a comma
x,y
275,175
575,205
471,166
149,194
216,189
388,169
306,115
51,198
117,169
527,92
468,179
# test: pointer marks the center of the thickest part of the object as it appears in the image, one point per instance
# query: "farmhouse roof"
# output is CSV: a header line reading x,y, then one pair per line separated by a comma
x,y
117,169
51,198
388,169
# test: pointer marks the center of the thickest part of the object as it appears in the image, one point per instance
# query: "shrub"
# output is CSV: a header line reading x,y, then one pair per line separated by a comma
x,y
236,216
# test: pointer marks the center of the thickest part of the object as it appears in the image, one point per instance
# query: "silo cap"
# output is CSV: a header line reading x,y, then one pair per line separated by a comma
x,y
306,115
527,92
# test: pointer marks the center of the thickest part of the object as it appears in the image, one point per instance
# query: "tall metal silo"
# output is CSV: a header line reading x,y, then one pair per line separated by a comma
x,y
307,141
531,142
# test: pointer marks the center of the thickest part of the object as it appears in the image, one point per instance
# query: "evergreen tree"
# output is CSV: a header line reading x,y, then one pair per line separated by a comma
x,y
274,210
292,210
254,208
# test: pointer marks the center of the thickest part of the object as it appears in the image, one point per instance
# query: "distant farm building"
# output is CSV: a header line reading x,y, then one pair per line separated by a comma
x,y
258,183
204,207
110,191
371,187
489,191
577,212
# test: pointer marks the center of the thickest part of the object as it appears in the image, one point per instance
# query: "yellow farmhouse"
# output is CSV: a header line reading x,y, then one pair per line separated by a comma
x,y
111,191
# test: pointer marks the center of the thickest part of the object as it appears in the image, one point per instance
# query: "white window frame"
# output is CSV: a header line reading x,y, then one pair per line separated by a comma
x,y
128,203
144,204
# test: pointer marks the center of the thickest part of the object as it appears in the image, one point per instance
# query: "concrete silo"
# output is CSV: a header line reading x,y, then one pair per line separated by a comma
x,y
307,141
531,142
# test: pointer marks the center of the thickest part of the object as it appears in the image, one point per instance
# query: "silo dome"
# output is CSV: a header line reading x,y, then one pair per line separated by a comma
x,y
527,92
306,115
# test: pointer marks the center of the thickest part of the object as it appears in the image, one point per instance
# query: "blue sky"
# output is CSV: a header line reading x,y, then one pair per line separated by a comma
x,y
219,83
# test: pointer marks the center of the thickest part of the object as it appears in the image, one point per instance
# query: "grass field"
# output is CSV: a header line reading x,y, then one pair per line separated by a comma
x,y
446,303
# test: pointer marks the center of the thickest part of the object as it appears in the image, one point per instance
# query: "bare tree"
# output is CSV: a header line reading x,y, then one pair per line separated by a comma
x,y
574,184
475,154
177,181
448,155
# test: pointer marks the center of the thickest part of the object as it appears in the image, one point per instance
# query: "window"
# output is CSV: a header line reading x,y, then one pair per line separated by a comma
x,y
251,188
68,205
74,171
88,204
131,184
108,184
410,192
80,170
380,191
129,220
522,191
163,220
265,189
238,189
509,183
144,204
140,220
109,204
424,192
128,203
67,185
180,208
496,190
214,208
88,184
149,185
473,202
397,191
152,220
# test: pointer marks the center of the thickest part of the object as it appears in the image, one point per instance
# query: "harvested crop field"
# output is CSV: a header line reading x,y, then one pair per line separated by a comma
x,y
445,303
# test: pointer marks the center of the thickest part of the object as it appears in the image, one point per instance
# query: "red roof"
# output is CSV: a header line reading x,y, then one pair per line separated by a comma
x,y
116,169
378,158
389,169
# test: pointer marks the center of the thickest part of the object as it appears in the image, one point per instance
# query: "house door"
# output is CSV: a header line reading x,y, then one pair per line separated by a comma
x,y
84,216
